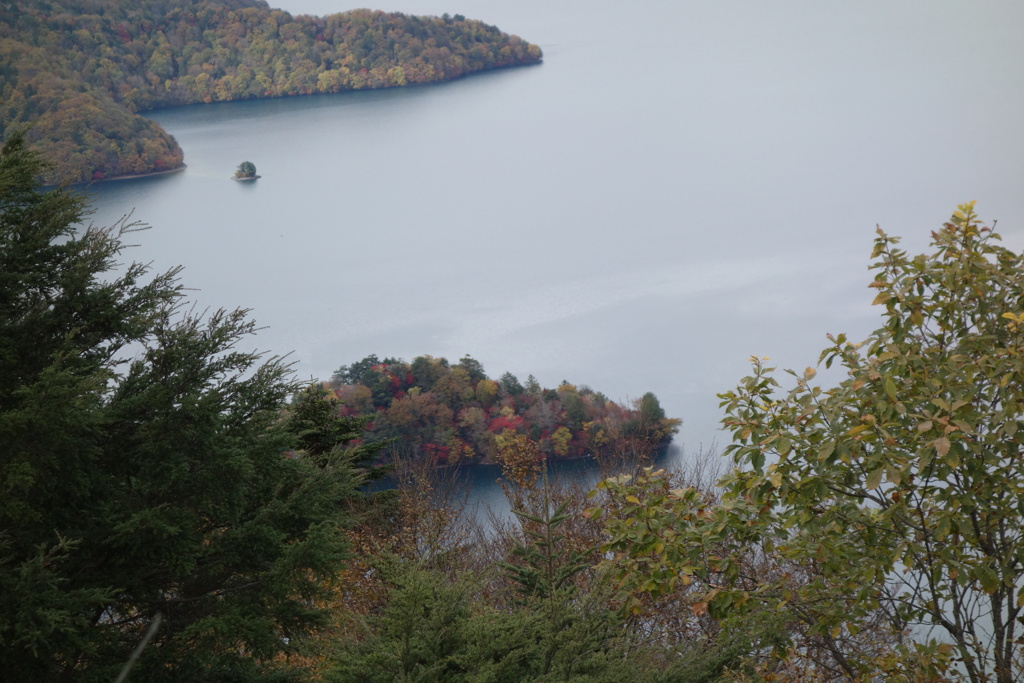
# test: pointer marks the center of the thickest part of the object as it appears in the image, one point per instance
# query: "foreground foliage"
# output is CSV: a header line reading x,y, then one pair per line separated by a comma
x,y
897,493
79,71
441,598
147,467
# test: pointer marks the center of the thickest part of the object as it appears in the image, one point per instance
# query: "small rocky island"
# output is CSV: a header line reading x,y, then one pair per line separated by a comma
x,y
246,171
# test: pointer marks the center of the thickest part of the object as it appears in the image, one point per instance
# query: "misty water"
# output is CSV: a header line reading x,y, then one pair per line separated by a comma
x,y
679,186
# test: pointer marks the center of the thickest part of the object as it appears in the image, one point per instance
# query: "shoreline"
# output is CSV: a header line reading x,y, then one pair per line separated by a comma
x,y
47,187
659,452
86,183
132,176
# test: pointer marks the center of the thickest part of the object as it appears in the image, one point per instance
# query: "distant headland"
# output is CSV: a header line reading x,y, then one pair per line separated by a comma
x,y
78,78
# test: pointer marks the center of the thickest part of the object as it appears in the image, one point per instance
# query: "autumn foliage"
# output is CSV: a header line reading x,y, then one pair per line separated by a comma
x,y
454,414
77,73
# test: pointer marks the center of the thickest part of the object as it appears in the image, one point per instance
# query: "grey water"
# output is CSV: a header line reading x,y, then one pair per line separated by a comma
x,y
679,186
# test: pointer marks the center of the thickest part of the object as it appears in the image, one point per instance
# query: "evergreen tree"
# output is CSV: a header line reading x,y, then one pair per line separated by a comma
x,y
246,169
148,466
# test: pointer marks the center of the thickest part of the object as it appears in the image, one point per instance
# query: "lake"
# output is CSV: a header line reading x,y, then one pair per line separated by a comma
x,y
679,186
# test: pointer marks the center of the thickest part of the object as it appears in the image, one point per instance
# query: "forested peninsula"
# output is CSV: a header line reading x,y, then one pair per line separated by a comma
x,y
76,73
434,412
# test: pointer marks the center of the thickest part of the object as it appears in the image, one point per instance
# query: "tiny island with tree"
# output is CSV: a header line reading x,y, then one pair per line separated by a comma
x,y
246,171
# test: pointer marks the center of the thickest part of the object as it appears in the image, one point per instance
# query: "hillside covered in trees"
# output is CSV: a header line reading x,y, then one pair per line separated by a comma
x,y
76,73
455,414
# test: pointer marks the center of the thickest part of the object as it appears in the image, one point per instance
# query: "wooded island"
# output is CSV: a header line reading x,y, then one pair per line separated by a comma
x,y
74,74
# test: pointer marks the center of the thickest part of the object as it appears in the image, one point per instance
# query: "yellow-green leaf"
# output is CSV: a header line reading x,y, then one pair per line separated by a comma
x,y
890,388
953,459
826,450
874,479
964,427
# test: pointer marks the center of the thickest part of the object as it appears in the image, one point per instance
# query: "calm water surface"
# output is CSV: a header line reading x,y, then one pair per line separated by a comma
x,y
679,186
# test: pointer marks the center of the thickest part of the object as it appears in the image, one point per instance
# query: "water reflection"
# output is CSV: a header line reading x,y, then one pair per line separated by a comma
x,y
478,488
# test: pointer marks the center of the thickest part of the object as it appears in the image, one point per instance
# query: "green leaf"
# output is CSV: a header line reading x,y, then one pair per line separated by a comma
x,y
757,460
890,388
988,579
964,426
826,451
874,479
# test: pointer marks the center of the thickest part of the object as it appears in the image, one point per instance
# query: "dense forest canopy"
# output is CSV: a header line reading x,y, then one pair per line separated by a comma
x,y
450,414
77,72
